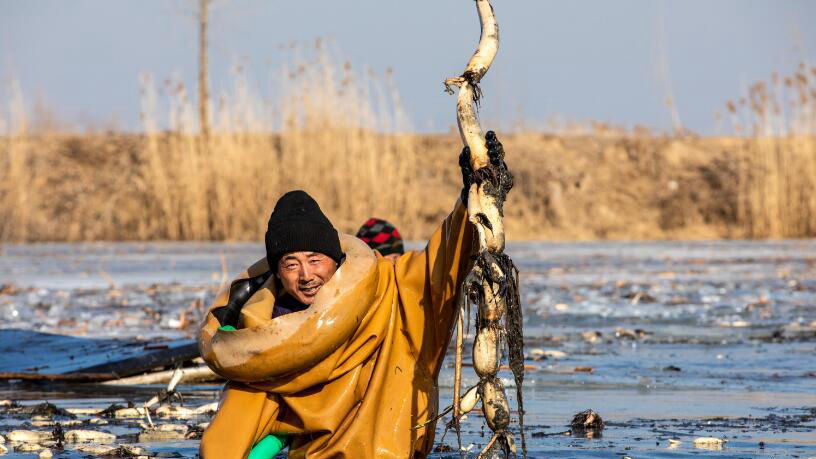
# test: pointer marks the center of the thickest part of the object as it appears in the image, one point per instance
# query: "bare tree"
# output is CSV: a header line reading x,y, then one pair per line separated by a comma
x,y
203,78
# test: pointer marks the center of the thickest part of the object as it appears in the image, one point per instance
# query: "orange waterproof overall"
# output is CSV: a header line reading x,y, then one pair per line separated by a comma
x,y
351,375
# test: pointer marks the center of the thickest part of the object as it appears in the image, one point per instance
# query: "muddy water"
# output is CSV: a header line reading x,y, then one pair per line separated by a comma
x,y
666,341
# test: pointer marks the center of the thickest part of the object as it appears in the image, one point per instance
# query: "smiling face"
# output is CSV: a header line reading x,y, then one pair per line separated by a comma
x,y
303,274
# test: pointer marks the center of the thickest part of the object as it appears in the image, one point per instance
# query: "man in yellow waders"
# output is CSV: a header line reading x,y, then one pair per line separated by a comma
x,y
336,348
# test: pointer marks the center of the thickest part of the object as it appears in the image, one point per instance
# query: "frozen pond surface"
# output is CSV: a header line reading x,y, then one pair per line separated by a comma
x,y
664,340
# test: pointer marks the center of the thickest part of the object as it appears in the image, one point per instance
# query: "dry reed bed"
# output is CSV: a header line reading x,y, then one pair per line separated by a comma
x,y
777,171
342,136
117,186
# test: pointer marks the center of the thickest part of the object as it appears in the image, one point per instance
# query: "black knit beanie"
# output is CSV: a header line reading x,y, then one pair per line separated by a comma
x,y
297,224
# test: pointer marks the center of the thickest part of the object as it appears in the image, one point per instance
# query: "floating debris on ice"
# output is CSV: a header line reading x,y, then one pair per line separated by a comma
x,y
82,411
51,423
625,333
97,450
164,432
86,436
711,443
674,443
587,423
125,413
541,354
28,436
207,409
170,411
591,336
42,411
28,447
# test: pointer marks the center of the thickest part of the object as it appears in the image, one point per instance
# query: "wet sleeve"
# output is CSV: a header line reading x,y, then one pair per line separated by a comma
x,y
430,280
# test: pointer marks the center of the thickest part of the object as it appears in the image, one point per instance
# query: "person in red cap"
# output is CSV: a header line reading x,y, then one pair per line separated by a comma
x,y
382,237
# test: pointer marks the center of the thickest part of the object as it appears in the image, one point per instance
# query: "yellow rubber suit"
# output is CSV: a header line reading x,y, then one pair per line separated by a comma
x,y
351,375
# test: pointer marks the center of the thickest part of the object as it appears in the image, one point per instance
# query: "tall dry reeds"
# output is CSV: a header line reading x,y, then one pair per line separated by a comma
x,y
341,135
777,160
337,133
16,170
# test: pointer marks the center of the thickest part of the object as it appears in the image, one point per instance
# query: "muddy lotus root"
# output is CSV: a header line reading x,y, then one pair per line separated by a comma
x,y
492,283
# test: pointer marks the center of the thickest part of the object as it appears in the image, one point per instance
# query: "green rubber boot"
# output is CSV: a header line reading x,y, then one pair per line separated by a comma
x,y
267,448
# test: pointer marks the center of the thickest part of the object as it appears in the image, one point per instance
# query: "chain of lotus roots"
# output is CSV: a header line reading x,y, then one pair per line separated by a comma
x,y
492,287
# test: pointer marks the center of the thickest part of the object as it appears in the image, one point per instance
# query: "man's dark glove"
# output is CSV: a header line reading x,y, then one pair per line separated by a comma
x,y
498,179
240,292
